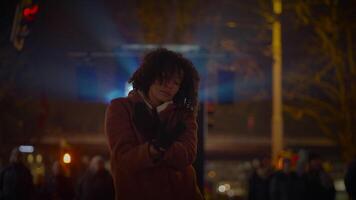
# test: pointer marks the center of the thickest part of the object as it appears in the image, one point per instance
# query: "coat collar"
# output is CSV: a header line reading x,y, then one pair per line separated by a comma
x,y
137,96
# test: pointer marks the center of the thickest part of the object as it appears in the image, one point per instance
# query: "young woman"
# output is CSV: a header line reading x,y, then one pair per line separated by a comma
x,y
152,133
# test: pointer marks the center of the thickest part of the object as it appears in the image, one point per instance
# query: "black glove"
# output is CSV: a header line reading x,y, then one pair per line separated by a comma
x,y
145,121
166,136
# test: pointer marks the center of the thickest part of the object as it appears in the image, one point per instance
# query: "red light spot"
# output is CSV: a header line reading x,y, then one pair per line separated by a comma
x,y
30,12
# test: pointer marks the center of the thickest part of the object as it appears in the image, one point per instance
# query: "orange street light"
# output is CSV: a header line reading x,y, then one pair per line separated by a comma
x,y
67,158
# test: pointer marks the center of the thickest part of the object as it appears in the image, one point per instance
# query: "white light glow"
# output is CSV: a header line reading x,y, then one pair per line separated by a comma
x,y
339,185
182,48
67,158
128,88
26,149
230,193
222,188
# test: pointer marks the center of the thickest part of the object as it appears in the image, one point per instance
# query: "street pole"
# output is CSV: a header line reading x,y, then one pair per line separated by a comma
x,y
277,117
16,37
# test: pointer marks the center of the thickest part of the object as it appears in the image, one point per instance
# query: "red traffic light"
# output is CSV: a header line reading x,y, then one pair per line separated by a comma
x,y
30,12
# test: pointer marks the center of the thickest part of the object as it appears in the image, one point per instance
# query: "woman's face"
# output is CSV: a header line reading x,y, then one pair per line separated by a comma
x,y
160,92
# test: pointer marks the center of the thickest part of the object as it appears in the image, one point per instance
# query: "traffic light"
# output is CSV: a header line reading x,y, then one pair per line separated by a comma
x,y
29,13
25,15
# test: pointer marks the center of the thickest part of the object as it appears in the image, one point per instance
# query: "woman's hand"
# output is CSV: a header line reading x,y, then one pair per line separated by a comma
x,y
166,136
144,120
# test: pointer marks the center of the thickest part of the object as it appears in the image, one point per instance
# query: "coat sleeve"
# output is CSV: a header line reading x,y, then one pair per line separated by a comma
x,y
183,151
126,153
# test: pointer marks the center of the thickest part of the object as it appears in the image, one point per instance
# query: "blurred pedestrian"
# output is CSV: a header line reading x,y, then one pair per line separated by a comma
x,y
16,181
97,183
350,180
320,185
259,181
58,186
283,183
152,133
301,178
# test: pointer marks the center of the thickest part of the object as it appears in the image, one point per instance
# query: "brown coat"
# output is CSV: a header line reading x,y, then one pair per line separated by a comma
x,y
136,176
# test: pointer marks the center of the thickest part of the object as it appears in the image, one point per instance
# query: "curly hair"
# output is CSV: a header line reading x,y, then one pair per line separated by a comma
x,y
161,64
